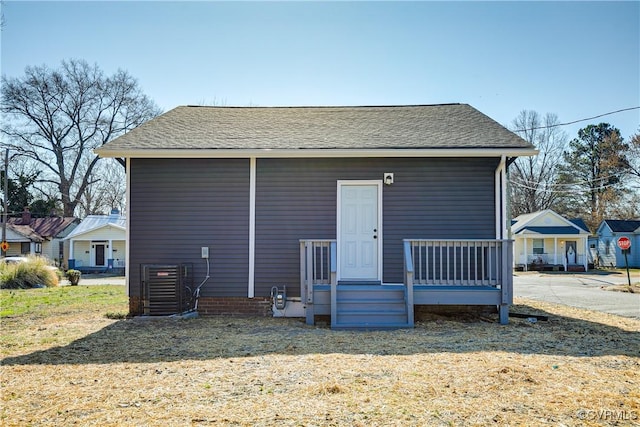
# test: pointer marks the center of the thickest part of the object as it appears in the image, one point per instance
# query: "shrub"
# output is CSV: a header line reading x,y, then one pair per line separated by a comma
x,y
35,272
74,277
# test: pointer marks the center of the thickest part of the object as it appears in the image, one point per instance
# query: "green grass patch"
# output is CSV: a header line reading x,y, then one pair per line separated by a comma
x,y
45,302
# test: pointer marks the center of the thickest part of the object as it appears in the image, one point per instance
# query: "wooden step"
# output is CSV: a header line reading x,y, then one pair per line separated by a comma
x,y
370,306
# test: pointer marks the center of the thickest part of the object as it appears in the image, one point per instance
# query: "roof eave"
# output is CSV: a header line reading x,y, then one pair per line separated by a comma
x,y
91,230
319,153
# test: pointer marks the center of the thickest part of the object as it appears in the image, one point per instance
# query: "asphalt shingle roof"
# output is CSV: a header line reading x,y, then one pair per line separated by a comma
x,y
381,127
623,226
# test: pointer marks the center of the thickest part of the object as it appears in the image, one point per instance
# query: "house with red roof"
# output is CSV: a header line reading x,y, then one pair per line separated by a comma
x,y
27,235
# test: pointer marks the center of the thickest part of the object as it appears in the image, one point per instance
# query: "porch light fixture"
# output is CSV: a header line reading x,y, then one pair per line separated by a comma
x,y
388,178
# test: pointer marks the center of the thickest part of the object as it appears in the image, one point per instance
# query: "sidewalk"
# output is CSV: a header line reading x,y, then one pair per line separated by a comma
x,y
97,279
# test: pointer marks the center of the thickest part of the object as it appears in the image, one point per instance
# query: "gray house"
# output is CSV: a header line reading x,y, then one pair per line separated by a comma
x,y
360,212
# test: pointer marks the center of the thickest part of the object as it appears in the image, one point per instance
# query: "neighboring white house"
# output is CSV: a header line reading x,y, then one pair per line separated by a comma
x,y
98,244
607,251
27,235
547,240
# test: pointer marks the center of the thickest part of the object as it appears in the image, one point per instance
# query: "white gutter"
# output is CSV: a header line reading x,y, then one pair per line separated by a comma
x,y
175,153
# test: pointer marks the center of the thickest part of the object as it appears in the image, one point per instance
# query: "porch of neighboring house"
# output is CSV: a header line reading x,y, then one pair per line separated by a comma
x,y
552,254
436,272
97,256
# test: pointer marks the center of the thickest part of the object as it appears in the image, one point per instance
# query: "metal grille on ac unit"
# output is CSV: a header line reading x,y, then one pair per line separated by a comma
x,y
165,288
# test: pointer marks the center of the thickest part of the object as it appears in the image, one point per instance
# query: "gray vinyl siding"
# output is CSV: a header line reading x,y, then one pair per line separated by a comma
x,y
431,198
179,205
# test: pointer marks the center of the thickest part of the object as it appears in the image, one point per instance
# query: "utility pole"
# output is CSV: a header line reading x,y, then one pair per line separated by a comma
x,y
6,200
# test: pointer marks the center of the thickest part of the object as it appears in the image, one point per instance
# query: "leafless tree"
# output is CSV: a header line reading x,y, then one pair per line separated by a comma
x,y
107,193
532,178
634,155
57,117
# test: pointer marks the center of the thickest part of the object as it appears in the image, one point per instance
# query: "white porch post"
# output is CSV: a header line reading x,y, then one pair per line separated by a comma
x,y
526,255
71,249
555,250
110,253
586,251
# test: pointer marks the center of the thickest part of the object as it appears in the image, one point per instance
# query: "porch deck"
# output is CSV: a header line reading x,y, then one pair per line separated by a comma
x,y
436,272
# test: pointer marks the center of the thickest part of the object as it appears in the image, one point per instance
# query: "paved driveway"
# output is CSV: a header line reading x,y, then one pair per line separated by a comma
x,y
94,279
579,290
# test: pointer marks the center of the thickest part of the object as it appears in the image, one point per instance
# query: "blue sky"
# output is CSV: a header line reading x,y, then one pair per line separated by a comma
x,y
575,59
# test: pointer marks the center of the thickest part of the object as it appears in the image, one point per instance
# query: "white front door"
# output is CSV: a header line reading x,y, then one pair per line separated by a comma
x,y
359,234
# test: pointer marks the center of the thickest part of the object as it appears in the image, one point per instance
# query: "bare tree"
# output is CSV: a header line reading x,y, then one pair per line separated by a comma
x,y
532,178
57,117
108,193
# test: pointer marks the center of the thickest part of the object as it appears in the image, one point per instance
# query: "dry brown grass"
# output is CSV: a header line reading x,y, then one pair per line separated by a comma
x,y
579,368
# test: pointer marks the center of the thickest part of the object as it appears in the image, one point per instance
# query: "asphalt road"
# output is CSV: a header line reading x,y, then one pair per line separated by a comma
x,y
579,290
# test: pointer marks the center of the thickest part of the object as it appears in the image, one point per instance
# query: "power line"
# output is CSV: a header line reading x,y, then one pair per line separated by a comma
x,y
545,189
572,184
578,121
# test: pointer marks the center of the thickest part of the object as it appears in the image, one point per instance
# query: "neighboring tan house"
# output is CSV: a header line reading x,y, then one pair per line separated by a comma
x,y
545,240
607,251
98,244
361,212
27,235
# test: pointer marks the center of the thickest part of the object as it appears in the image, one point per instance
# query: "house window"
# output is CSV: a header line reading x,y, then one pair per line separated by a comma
x,y
60,251
25,248
607,243
38,248
538,246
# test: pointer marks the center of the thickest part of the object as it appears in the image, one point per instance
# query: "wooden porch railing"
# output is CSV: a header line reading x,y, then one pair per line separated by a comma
x,y
438,264
459,262
465,264
318,266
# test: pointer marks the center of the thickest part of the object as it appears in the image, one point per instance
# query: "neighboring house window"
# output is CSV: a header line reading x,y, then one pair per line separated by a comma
x,y
60,251
25,247
607,243
38,248
538,246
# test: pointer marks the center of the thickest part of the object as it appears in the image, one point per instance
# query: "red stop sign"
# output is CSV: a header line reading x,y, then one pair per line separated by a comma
x,y
624,243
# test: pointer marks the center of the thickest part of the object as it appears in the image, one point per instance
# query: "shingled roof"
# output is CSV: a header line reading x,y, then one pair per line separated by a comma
x,y
432,127
623,226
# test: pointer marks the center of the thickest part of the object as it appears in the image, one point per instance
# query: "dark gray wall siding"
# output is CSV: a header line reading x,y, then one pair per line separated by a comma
x,y
431,198
437,199
179,205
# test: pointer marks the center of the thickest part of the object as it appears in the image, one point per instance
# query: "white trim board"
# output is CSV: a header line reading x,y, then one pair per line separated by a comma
x,y
174,153
252,228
